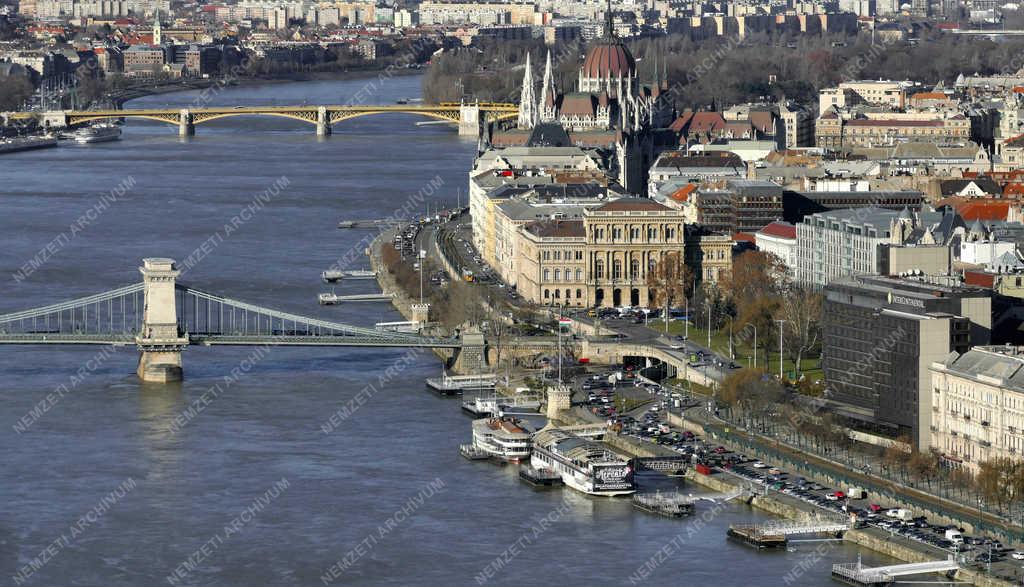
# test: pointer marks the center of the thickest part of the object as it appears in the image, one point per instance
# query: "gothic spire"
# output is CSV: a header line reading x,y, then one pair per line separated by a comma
x,y
527,102
609,29
547,93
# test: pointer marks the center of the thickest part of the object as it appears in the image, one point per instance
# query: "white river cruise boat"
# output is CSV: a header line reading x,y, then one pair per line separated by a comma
x,y
99,133
584,465
505,438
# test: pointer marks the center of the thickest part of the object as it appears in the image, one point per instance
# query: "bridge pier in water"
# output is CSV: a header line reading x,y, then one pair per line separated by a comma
x,y
186,127
159,340
323,122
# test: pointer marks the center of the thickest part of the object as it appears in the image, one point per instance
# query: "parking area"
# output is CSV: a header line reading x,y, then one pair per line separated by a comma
x,y
873,512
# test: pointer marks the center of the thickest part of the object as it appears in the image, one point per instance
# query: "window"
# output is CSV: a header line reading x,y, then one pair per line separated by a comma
x,y
579,276
547,294
558,255
546,255
616,269
634,269
558,294
579,255
558,275
547,274
579,293
616,233
567,294
599,269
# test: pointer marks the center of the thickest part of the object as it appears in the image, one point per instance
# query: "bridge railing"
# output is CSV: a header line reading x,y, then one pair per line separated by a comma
x,y
115,311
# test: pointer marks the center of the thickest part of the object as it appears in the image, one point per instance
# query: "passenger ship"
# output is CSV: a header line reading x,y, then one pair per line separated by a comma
x,y
99,133
584,465
505,438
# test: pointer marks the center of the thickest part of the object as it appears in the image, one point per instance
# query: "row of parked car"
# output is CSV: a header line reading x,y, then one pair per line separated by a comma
x,y
894,520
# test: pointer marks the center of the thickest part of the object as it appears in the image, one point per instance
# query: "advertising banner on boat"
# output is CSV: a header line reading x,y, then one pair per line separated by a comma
x,y
609,477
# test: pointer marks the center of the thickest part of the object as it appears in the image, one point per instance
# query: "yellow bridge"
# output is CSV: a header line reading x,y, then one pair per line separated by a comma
x,y
468,115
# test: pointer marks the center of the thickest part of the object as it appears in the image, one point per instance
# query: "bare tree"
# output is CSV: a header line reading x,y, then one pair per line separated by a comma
x,y
801,310
670,280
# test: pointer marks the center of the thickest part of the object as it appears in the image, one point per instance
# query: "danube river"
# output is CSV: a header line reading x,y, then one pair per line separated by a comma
x,y
117,483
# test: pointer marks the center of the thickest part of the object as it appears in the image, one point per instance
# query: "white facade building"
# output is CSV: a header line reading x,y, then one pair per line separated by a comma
x,y
978,405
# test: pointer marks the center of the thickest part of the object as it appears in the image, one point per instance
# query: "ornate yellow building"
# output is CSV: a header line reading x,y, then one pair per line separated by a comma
x,y
604,260
625,239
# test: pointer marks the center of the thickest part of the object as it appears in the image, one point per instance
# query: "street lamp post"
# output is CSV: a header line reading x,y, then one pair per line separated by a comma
x,y
709,327
731,354
755,345
686,321
781,322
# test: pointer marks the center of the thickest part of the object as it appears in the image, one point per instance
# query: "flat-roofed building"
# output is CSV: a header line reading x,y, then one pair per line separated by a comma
x,y
880,336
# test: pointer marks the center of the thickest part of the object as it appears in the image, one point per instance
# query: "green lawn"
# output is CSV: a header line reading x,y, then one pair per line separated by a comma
x,y
742,349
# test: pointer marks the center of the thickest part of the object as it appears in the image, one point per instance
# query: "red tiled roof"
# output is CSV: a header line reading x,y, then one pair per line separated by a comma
x,y
779,229
929,96
1014,188
744,237
683,193
984,210
979,278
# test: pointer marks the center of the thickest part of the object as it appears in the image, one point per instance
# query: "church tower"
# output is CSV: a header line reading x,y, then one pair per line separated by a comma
x,y
527,102
157,36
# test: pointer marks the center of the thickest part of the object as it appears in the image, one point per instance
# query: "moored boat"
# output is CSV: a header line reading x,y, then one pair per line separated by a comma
x,y
504,438
584,465
99,133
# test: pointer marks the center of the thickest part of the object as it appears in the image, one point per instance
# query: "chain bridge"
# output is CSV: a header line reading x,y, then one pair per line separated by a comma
x,y
162,317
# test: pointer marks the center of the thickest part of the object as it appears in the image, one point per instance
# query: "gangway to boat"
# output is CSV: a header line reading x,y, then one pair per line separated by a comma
x,y
586,430
806,526
666,463
720,497
331,299
333,275
859,574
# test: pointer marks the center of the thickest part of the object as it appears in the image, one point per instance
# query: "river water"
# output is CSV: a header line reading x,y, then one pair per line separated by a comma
x,y
117,483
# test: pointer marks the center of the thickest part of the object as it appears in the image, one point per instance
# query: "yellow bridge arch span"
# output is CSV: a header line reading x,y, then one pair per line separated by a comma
x,y
317,115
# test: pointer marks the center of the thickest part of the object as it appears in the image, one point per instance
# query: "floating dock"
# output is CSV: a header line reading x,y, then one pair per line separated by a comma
x,y
539,477
26,143
756,537
670,505
457,384
330,299
776,534
333,275
363,223
473,453
482,407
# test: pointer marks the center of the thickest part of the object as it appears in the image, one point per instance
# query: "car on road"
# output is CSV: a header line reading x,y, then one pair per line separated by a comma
x,y
759,465
1019,556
